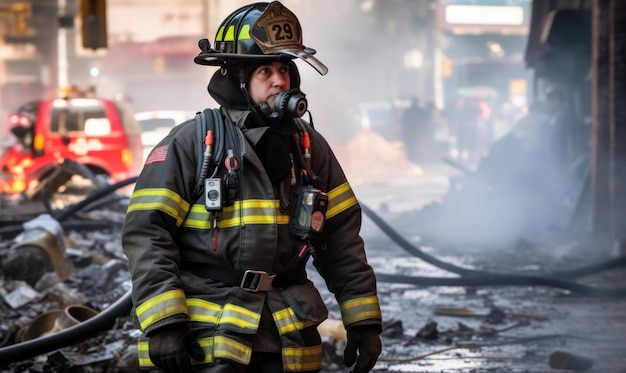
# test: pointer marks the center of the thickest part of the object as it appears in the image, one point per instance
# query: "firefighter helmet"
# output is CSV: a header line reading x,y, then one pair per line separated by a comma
x,y
258,32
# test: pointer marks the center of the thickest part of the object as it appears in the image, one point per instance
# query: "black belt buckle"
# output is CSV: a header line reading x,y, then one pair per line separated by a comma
x,y
255,281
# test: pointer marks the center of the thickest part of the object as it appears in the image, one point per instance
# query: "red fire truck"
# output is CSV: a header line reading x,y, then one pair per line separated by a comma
x,y
100,134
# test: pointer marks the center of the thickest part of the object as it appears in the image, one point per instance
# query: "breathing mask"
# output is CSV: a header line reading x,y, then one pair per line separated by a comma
x,y
290,104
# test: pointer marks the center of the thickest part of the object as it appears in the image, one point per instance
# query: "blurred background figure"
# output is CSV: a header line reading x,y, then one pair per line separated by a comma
x,y
558,129
464,118
417,131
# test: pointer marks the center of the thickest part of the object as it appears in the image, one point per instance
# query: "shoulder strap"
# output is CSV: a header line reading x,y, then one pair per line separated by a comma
x,y
299,156
208,120
201,129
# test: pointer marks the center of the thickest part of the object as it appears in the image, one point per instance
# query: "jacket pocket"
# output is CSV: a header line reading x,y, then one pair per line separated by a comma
x,y
306,302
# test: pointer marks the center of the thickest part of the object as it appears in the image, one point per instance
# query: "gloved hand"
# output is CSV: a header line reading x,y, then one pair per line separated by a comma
x,y
363,347
170,346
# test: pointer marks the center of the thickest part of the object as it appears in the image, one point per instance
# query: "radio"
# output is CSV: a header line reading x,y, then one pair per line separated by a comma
x,y
213,193
309,211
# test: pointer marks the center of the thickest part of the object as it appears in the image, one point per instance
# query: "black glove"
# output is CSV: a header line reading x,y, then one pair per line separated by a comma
x,y
365,341
170,346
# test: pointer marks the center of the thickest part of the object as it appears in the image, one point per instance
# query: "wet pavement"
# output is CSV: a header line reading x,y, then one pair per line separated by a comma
x,y
493,327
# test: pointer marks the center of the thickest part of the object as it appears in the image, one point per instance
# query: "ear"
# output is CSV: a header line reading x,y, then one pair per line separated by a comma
x,y
294,74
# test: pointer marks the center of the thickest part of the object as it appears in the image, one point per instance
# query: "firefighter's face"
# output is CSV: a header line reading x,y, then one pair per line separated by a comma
x,y
267,80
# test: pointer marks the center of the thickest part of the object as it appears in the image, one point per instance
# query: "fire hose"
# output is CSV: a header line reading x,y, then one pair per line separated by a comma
x,y
101,322
471,277
80,332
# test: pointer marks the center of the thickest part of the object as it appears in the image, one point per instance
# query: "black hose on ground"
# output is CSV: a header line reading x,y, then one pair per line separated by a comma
x,y
82,331
13,230
75,334
71,210
502,280
472,277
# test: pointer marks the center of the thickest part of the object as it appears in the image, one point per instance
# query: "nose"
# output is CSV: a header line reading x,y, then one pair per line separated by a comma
x,y
280,79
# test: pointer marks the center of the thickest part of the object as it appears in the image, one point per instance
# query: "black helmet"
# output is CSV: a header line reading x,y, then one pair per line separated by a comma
x,y
258,32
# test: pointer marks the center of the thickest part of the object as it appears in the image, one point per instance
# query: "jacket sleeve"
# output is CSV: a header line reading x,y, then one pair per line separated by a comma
x,y
343,262
159,203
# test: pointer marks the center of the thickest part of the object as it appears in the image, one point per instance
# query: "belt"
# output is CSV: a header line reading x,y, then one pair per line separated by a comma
x,y
249,280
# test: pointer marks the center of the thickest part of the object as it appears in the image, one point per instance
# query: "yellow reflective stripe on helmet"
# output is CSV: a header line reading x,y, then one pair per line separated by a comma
x,y
198,218
252,211
230,34
297,359
159,199
360,309
340,199
227,348
220,34
240,317
203,311
143,352
163,305
244,33
287,321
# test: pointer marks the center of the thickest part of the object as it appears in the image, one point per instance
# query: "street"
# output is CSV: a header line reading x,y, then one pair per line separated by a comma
x,y
491,328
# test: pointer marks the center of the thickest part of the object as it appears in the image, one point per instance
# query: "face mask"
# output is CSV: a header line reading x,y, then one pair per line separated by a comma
x,y
290,104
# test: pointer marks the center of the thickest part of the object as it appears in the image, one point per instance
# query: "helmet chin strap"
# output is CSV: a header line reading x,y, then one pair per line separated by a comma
x,y
263,109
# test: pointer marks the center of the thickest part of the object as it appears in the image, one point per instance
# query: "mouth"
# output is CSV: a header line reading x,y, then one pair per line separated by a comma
x,y
271,98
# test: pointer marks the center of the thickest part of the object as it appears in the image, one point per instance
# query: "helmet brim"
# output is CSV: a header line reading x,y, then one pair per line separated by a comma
x,y
307,57
216,58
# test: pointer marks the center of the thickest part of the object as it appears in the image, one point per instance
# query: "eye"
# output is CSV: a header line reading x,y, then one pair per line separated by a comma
x,y
284,69
262,70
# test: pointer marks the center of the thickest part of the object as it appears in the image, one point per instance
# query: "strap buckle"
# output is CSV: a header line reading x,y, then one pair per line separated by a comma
x,y
255,281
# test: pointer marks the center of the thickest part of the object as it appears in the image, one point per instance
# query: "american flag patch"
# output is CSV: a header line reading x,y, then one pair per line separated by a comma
x,y
157,154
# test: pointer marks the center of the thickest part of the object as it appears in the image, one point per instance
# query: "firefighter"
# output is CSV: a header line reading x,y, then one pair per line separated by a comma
x,y
219,274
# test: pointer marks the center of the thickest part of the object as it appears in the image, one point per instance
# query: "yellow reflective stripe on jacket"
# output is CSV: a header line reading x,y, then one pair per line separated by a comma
x,y
198,218
287,321
360,309
159,199
212,313
252,211
143,353
163,305
241,213
240,317
224,347
340,199
203,311
297,359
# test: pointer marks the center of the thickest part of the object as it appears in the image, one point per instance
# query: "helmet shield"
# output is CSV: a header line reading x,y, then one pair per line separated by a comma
x,y
256,32
277,28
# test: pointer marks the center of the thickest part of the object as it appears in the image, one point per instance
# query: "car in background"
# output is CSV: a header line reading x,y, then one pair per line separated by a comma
x,y
98,133
385,119
382,117
155,125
